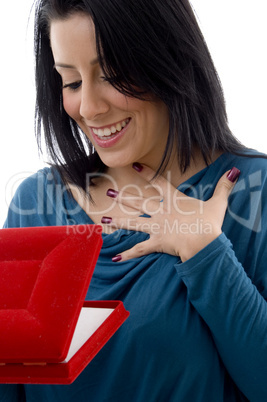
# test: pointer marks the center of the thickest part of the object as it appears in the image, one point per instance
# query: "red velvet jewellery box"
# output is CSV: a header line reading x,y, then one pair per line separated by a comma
x,y
48,333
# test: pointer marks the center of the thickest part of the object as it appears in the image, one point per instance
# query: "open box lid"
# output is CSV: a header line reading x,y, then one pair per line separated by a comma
x,y
44,277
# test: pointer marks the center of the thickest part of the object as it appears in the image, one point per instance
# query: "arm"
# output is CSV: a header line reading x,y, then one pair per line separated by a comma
x,y
218,285
235,312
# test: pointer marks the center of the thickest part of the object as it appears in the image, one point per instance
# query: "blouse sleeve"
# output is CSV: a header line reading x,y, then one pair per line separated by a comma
x,y
227,283
234,310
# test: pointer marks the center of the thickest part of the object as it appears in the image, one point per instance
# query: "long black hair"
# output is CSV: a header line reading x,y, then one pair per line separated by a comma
x,y
145,47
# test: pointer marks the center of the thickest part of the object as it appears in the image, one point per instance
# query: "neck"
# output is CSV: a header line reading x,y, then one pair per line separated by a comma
x,y
127,176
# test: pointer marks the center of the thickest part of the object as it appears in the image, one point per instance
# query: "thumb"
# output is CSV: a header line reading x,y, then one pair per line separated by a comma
x,y
226,183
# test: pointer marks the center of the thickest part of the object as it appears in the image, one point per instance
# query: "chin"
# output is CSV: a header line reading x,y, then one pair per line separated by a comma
x,y
116,162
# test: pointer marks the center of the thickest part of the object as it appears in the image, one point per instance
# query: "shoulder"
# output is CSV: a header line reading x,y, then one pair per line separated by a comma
x,y
247,204
252,165
34,202
250,162
253,177
41,177
39,184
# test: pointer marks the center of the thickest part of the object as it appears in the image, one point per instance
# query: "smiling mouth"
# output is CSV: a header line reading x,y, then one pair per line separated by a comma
x,y
108,133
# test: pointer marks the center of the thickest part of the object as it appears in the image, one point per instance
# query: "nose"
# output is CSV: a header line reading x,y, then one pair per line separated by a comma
x,y
93,102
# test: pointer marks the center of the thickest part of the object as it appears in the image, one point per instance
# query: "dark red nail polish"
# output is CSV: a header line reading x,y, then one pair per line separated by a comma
x,y
233,174
138,167
106,219
117,258
112,193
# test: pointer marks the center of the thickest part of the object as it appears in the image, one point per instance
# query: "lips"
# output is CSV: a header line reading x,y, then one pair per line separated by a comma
x,y
105,133
108,136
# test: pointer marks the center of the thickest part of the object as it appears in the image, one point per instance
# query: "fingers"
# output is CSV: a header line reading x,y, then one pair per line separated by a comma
x,y
162,185
219,201
139,224
226,184
140,249
210,212
149,206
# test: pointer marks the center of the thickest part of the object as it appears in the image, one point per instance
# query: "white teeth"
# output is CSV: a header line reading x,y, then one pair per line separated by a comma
x,y
118,127
106,132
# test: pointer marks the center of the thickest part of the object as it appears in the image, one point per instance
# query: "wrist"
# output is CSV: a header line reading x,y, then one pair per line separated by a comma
x,y
199,244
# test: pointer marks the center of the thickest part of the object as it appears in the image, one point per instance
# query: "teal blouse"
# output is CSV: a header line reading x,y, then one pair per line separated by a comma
x,y
197,330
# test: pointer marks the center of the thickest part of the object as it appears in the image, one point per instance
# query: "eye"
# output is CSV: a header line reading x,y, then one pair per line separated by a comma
x,y
73,86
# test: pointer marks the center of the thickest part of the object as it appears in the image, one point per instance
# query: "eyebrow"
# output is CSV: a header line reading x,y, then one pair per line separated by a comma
x,y
63,65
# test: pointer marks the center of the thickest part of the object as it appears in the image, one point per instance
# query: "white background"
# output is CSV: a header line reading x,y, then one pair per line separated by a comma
x,y
236,33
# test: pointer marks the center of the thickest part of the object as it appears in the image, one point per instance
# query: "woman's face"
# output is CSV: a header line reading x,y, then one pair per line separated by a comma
x,y
122,129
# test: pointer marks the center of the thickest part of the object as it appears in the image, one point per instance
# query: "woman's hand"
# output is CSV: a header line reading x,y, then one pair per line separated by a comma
x,y
178,225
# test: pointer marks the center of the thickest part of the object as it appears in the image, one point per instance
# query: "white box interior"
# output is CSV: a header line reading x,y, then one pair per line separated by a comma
x,y
89,320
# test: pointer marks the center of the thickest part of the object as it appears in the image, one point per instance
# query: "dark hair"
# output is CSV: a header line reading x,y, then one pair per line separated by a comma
x,y
153,45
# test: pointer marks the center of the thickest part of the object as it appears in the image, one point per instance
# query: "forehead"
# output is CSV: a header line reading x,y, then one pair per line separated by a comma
x,y
72,38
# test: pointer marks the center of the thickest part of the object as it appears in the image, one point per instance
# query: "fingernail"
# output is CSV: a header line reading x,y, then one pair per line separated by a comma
x,y
233,174
106,219
138,167
117,258
112,193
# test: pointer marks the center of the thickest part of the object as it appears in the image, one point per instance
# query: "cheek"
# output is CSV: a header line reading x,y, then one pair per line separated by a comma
x,y
71,104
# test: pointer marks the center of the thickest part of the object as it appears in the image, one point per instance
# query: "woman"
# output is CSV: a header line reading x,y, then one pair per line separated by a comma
x,y
134,119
